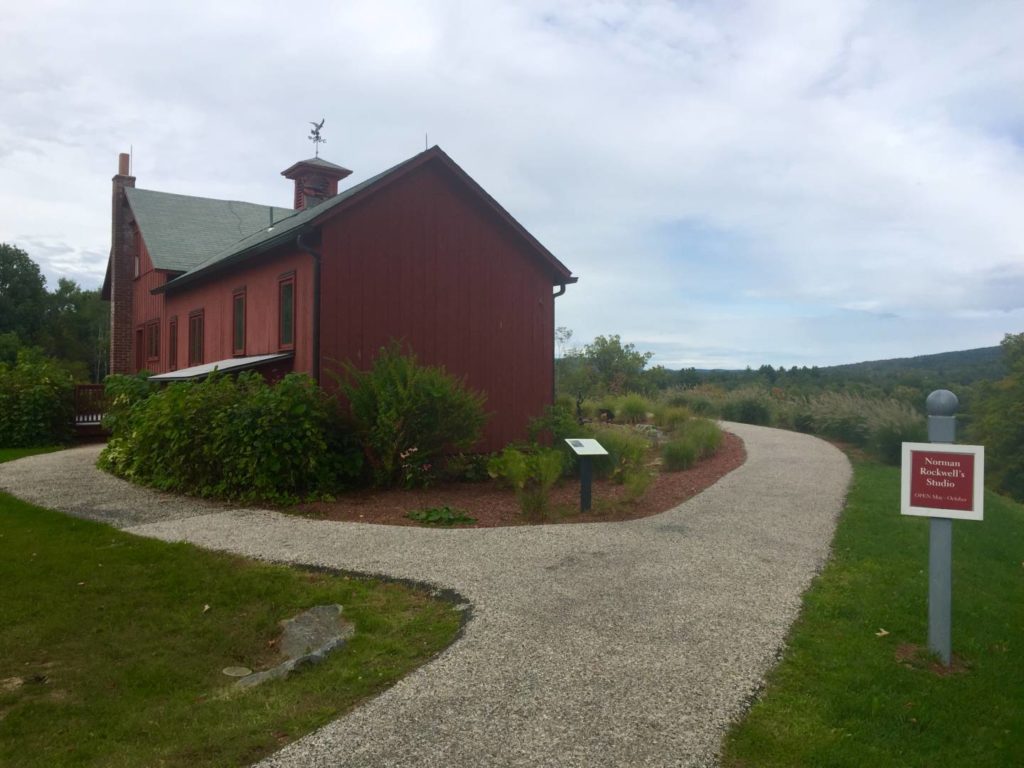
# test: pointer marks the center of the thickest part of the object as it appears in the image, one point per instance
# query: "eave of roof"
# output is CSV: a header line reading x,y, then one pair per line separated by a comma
x,y
319,163
230,365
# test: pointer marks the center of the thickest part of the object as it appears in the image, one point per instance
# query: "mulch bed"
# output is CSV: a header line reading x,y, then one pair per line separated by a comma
x,y
494,506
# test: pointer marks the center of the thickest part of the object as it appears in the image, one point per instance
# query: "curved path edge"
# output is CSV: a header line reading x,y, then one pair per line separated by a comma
x,y
605,644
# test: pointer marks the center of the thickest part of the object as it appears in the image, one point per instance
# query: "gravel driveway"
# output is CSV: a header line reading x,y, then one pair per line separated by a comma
x,y
610,644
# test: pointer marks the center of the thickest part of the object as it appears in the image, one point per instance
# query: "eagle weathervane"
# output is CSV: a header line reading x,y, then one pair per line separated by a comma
x,y
315,137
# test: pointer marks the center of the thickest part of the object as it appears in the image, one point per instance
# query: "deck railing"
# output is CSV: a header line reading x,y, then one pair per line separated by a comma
x,y
90,404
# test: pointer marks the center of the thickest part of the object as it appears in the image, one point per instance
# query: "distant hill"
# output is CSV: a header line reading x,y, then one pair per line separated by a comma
x,y
961,367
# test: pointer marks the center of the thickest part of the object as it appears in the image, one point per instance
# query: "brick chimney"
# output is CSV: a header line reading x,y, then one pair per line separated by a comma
x,y
315,181
122,271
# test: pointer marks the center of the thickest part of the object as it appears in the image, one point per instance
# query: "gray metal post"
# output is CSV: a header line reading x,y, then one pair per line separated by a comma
x,y
586,480
941,406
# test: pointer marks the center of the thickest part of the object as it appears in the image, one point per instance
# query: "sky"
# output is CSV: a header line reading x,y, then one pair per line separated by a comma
x,y
734,183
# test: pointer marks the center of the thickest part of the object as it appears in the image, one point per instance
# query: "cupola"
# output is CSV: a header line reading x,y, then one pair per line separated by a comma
x,y
315,180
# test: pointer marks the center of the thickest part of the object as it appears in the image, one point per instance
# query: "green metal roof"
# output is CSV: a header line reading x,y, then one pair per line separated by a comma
x,y
182,231
284,230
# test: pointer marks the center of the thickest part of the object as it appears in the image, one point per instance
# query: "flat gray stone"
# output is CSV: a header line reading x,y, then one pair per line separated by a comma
x,y
305,641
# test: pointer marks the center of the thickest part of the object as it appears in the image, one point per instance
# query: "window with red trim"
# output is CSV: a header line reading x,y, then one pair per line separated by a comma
x,y
195,338
172,345
153,340
238,322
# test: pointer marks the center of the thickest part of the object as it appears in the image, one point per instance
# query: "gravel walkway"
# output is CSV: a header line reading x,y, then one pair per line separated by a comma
x,y
612,644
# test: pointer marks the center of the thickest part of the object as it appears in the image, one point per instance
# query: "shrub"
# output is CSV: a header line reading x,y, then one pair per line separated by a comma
x,y
530,474
632,409
748,406
887,440
441,516
121,393
466,467
236,439
627,452
556,425
678,454
698,440
36,402
671,417
706,436
408,416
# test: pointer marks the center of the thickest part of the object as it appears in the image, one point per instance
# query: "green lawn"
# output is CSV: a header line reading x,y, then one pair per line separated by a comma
x,y
109,656
10,454
841,698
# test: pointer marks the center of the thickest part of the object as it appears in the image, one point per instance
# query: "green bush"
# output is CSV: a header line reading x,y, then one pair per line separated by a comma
x,y
705,434
556,425
235,439
678,454
530,474
747,406
671,417
443,516
886,441
698,439
627,453
121,392
632,409
998,421
408,416
36,402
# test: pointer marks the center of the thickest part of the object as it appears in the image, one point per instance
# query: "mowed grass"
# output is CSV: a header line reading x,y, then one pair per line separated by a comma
x,y
840,697
112,646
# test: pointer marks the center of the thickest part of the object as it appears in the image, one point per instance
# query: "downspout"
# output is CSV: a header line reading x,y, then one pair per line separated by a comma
x,y
316,304
561,290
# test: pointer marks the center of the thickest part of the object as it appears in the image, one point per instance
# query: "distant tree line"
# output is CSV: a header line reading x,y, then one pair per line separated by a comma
x,y
68,324
989,383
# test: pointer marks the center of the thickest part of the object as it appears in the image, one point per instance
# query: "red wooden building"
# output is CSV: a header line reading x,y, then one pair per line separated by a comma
x,y
419,253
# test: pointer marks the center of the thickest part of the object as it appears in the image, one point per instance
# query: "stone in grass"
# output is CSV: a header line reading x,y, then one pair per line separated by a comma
x,y
306,640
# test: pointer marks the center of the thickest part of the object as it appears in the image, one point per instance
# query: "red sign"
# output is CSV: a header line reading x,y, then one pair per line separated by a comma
x,y
942,480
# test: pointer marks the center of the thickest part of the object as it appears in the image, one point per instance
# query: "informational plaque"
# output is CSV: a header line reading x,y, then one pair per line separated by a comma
x,y
585,446
940,480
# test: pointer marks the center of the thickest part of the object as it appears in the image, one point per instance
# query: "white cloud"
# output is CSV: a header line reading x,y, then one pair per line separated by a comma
x,y
747,181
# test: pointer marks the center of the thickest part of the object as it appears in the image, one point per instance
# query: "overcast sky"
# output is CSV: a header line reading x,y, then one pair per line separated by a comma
x,y
792,183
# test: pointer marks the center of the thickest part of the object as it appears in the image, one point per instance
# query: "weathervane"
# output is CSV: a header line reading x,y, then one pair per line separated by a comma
x,y
314,135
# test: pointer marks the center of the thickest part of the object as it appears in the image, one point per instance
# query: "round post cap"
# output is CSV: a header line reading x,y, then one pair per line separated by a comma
x,y
941,402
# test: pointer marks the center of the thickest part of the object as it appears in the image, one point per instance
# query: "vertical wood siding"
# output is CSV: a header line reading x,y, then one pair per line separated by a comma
x,y
423,260
259,278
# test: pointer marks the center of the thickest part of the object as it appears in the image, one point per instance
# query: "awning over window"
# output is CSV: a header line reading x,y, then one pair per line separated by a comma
x,y
231,365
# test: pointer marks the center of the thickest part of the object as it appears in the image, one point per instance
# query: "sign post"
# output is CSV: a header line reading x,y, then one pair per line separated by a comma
x,y
586,448
944,482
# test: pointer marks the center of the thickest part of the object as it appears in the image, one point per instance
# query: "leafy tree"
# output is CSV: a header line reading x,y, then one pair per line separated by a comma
x,y
70,324
22,294
998,420
77,327
606,365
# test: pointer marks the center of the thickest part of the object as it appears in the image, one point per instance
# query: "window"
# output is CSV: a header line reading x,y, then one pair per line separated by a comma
x,y
195,338
238,322
153,340
286,312
172,345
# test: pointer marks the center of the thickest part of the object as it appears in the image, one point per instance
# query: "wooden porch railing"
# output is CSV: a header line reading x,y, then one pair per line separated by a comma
x,y
90,405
